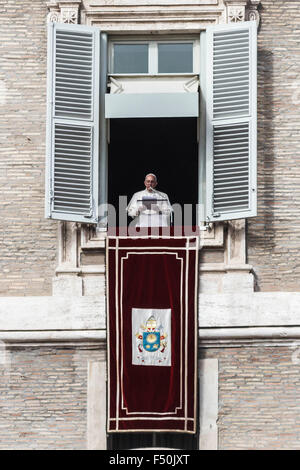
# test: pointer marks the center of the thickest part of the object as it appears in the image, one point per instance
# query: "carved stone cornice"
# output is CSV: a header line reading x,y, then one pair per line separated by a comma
x,y
252,13
242,10
235,10
130,17
54,12
133,16
65,11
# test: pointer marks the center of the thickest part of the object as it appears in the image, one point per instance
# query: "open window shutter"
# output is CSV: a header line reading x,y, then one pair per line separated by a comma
x,y
72,122
231,121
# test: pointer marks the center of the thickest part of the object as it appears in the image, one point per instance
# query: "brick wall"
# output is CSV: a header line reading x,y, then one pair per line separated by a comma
x,y
43,397
273,237
27,240
259,400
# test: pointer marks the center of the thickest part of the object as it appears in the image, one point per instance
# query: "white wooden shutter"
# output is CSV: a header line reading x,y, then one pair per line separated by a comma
x,y
231,121
72,123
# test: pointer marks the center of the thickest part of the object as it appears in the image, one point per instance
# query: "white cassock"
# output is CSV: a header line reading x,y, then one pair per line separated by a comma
x,y
148,217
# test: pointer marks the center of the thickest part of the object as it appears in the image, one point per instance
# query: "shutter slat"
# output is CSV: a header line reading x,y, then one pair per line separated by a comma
x,y
71,94
69,45
71,87
75,68
232,165
64,134
72,192
73,38
70,157
223,194
78,98
224,89
234,145
234,107
79,105
238,134
233,37
59,167
76,112
220,61
229,66
68,186
230,154
77,81
72,150
232,81
65,139
231,45
72,50
61,198
70,73
234,73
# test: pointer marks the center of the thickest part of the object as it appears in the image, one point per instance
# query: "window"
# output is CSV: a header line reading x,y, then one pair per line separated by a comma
x,y
175,57
76,162
130,58
154,57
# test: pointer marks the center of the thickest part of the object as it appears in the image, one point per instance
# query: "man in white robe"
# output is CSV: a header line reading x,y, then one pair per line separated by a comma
x,y
146,213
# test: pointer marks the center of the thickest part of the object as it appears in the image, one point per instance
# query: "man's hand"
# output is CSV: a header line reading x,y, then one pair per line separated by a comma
x,y
141,208
148,206
155,207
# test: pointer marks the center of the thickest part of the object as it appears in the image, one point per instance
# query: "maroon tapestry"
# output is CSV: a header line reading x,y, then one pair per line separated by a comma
x,y
152,333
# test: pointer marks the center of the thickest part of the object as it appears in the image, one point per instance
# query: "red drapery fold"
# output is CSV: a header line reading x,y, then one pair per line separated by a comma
x,y
152,333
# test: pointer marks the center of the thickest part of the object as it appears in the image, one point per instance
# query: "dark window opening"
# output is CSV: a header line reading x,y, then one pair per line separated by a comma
x,y
166,147
123,441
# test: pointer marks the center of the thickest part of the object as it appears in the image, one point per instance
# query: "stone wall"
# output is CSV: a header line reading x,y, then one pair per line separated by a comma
x,y
43,397
259,401
273,237
28,241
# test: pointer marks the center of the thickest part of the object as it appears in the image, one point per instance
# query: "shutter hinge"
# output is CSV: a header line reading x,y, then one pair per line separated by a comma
x,y
217,214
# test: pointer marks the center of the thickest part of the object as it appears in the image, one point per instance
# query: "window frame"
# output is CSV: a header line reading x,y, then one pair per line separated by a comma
x,y
153,54
203,57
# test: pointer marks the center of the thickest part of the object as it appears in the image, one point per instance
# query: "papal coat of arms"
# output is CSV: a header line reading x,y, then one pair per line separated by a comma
x,y
151,338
